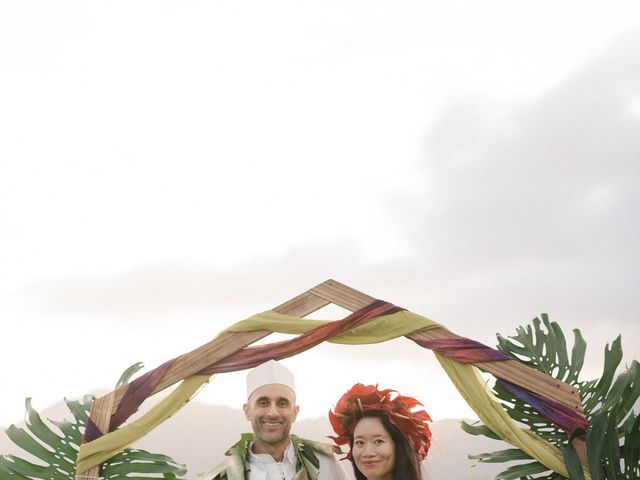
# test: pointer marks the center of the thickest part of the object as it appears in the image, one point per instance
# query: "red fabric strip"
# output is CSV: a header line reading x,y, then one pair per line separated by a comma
x,y
91,431
137,392
140,389
564,417
251,357
464,350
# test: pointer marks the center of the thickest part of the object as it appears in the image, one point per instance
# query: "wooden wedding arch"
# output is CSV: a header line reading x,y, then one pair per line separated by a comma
x,y
106,408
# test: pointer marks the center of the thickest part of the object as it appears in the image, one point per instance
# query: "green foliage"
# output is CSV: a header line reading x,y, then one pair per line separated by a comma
x,y
56,449
613,439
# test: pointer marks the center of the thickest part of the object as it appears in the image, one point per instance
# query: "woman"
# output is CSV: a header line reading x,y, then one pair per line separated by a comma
x,y
387,433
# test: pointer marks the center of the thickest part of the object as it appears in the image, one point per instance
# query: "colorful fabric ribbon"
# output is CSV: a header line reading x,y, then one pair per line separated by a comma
x,y
566,418
463,350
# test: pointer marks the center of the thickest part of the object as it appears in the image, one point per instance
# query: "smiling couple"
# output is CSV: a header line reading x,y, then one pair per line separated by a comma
x,y
387,434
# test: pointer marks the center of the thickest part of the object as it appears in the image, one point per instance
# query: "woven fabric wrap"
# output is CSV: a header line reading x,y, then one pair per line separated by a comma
x,y
375,323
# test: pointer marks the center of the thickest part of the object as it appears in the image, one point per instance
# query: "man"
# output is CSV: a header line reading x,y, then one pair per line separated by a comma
x,y
271,452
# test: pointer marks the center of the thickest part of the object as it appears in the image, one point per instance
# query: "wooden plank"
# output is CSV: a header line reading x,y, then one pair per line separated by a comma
x,y
535,381
191,363
339,294
527,377
302,305
194,361
226,344
101,415
581,449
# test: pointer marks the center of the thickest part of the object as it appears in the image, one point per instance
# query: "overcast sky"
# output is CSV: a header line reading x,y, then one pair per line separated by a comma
x,y
169,168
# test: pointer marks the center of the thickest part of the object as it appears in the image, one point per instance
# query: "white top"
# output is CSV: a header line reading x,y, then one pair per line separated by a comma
x,y
264,467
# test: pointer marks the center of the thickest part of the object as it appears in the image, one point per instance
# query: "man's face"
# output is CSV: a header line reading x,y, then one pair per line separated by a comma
x,y
271,409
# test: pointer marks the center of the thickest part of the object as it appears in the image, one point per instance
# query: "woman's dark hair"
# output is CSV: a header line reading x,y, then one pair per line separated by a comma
x,y
406,465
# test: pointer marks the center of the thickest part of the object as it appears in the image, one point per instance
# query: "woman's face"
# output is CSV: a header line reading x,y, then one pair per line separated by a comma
x,y
374,451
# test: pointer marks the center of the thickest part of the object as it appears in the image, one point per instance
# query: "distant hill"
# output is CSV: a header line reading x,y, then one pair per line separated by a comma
x,y
199,434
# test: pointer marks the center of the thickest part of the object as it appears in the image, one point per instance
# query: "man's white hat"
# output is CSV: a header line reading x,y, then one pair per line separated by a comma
x,y
268,373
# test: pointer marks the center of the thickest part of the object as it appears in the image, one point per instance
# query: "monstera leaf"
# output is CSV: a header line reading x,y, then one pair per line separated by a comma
x,y
56,449
613,439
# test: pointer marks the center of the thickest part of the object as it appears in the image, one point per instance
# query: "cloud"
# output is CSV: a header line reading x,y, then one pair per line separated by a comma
x,y
538,204
515,211
162,290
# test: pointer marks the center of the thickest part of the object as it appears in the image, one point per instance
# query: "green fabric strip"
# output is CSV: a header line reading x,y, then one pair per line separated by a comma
x,y
476,392
102,449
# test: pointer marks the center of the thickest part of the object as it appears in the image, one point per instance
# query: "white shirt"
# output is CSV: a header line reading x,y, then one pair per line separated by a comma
x,y
264,467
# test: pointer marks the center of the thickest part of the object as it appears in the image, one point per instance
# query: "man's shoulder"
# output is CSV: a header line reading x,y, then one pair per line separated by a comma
x,y
241,446
235,461
317,447
233,465
218,472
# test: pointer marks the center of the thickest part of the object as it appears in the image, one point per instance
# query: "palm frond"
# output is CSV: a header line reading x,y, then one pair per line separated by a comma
x,y
614,434
55,445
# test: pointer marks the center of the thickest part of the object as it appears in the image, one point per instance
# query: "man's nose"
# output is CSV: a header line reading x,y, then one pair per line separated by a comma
x,y
272,410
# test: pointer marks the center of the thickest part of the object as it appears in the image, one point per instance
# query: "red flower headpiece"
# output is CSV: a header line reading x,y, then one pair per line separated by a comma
x,y
406,413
